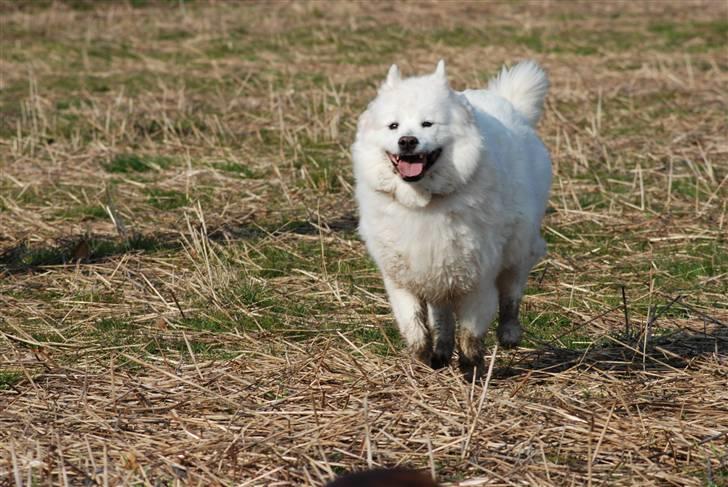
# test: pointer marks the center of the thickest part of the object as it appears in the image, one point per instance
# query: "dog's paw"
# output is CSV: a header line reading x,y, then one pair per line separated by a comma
x,y
439,360
472,369
509,334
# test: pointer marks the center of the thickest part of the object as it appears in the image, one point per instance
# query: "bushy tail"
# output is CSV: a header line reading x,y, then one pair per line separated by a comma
x,y
524,85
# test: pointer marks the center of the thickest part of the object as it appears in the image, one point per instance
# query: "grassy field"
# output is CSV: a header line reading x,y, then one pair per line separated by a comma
x,y
184,299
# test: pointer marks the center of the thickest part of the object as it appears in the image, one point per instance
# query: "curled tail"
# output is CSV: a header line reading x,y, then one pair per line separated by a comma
x,y
524,85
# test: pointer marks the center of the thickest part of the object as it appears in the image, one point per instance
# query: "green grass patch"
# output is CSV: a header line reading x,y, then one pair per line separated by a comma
x,y
164,199
107,51
281,261
376,339
174,35
76,83
207,323
107,325
461,37
83,212
241,170
245,46
254,307
720,475
681,34
104,296
533,40
154,341
72,102
251,306
118,332
42,337
685,269
575,232
553,328
132,163
9,378
685,187
324,173
358,271
320,158
593,200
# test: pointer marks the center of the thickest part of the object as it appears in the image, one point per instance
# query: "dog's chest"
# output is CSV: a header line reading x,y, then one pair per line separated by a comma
x,y
436,256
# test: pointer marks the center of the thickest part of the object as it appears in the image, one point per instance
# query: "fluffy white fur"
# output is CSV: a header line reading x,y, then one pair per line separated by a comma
x,y
461,241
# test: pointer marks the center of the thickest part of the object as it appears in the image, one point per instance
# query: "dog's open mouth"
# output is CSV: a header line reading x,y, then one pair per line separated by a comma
x,y
412,167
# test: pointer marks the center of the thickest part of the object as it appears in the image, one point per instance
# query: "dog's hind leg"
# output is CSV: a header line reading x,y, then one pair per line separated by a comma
x,y
411,316
442,323
510,291
474,312
511,284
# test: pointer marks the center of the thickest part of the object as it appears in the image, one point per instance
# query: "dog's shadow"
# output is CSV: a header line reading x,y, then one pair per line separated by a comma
x,y
622,353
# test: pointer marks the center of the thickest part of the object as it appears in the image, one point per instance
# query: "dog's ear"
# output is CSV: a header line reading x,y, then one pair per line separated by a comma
x,y
440,70
393,77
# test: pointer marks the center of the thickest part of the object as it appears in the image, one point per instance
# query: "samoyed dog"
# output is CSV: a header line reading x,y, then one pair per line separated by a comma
x,y
452,187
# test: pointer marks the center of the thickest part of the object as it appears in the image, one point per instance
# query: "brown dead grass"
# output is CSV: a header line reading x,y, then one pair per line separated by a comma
x,y
184,300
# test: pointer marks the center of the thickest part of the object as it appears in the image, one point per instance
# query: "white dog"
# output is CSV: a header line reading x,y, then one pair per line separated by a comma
x,y
452,187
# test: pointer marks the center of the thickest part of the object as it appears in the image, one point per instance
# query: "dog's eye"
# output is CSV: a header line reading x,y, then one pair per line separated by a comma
x,y
393,126
427,124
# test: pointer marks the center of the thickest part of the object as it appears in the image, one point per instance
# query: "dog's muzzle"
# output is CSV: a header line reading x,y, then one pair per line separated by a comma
x,y
412,167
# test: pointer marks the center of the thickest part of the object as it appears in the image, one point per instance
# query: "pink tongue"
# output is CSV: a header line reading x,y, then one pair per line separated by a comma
x,y
410,169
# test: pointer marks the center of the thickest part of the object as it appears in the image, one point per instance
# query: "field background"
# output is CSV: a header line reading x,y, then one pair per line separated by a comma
x,y
184,299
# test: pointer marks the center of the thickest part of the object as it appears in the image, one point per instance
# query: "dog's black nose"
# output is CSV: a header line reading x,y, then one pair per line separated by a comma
x,y
407,143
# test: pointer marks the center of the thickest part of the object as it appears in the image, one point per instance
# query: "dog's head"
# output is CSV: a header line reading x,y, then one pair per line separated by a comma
x,y
417,138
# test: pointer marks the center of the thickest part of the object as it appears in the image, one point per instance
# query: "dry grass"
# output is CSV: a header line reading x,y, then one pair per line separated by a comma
x,y
183,298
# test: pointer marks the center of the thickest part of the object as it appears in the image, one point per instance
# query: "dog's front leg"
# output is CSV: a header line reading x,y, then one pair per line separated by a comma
x,y
475,311
442,323
411,316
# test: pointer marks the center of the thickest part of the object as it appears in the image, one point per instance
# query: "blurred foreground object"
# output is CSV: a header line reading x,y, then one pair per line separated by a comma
x,y
395,477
